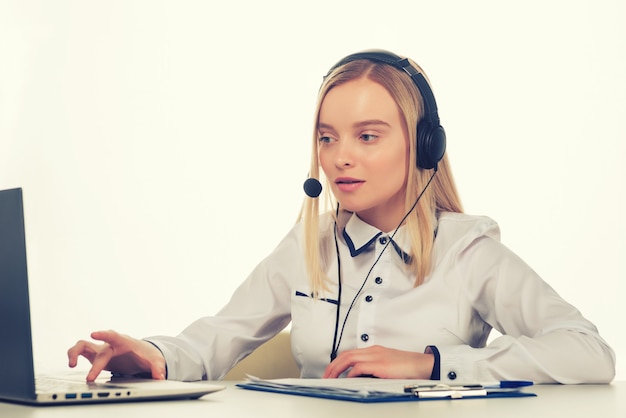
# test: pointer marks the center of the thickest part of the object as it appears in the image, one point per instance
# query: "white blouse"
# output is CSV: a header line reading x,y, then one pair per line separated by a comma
x,y
476,284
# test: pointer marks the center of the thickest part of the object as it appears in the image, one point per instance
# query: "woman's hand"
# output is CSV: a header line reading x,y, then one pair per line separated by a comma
x,y
118,353
381,362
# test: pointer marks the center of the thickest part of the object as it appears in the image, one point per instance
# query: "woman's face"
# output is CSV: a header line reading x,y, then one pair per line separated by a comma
x,y
363,151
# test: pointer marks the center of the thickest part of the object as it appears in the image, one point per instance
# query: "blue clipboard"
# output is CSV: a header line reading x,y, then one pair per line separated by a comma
x,y
504,390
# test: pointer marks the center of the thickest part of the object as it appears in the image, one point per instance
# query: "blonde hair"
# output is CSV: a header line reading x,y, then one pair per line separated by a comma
x,y
441,195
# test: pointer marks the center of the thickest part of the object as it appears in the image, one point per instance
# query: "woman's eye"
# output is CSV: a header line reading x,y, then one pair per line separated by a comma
x,y
325,139
368,137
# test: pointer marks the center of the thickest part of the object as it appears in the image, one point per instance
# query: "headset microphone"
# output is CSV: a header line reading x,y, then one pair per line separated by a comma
x,y
312,187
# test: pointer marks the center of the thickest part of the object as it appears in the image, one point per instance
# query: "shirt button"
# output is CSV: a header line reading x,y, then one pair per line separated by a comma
x,y
382,240
365,337
368,298
378,280
452,375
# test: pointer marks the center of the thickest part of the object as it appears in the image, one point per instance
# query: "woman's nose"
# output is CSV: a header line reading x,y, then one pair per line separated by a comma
x,y
345,154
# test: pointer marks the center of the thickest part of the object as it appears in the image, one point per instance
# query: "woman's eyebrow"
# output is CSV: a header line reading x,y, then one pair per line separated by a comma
x,y
371,122
359,124
324,126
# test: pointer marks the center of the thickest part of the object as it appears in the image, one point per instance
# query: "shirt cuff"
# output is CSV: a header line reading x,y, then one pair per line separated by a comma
x,y
159,348
436,373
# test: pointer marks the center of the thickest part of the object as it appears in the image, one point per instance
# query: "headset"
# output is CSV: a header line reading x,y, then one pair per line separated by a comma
x,y
431,137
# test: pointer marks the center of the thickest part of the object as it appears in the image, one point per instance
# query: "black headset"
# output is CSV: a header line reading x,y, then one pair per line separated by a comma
x,y
431,137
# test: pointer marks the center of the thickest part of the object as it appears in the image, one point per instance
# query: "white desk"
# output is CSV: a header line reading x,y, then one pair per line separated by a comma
x,y
587,401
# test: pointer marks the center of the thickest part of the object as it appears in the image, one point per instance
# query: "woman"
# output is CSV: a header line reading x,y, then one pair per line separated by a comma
x,y
394,281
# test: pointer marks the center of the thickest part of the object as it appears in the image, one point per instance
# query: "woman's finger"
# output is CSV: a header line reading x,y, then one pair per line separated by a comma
x,y
99,362
81,348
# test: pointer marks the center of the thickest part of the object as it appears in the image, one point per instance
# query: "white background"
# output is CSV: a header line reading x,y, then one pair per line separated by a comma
x,y
162,145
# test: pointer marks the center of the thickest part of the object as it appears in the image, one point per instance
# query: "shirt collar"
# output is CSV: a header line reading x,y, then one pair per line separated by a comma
x,y
359,236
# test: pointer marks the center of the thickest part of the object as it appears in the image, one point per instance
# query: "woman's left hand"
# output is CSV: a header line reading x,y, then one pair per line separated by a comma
x,y
382,362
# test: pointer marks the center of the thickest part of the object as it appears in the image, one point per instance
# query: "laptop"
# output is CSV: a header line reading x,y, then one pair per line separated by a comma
x,y
17,375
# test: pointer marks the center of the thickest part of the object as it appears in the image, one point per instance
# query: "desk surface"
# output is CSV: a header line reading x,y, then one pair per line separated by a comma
x,y
606,401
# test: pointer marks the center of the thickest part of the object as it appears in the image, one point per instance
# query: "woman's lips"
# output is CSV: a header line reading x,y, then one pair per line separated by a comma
x,y
348,184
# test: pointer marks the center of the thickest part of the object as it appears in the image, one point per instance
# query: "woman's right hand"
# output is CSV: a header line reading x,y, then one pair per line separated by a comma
x,y
118,353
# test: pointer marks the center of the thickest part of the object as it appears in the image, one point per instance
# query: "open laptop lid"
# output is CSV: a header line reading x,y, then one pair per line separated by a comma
x,y
17,377
17,374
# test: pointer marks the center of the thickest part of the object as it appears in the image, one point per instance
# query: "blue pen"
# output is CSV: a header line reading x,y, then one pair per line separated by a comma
x,y
510,384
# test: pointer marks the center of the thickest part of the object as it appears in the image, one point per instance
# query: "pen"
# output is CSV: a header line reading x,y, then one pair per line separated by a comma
x,y
439,387
453,394
507,384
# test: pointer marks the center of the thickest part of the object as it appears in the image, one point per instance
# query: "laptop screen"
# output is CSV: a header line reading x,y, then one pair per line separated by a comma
x,y
16,352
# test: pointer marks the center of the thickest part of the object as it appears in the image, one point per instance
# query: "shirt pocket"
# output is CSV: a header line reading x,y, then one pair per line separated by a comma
x,y
312,331
328,300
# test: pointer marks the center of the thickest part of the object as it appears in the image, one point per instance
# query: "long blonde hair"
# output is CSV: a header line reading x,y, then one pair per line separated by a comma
x,y
441,195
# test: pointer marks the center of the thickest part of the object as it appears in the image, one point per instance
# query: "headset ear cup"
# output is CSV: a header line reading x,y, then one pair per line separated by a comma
x,y
431,145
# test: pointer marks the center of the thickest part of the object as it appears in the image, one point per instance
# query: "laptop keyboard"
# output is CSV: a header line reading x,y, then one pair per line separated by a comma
x,y
45,384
